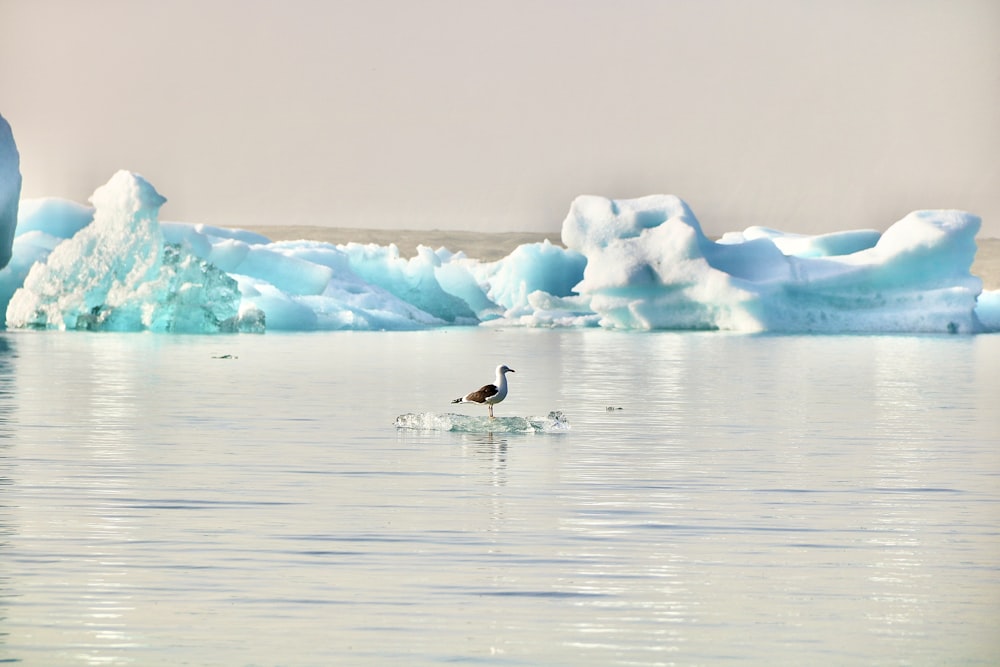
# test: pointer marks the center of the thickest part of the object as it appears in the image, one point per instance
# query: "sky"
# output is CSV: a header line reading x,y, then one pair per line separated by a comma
x,y
802,115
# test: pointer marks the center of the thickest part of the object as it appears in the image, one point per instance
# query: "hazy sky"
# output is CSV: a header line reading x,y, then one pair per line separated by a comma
x,y
804,115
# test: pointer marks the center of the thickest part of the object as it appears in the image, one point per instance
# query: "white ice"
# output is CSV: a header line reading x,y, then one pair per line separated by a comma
x,y
650,266
628,264
554,422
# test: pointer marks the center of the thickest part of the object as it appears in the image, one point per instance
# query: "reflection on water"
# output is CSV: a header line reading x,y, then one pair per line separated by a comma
x,y
756,499
7,463
492,451
108,442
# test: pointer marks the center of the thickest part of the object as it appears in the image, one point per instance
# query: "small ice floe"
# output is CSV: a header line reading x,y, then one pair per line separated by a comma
x,y
554,422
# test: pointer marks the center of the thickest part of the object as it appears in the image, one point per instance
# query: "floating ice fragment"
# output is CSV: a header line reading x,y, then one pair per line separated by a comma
x,y
802,245
117,274
650,266
629,264
411,280
534,268
53,216
988,310
10,190
554,422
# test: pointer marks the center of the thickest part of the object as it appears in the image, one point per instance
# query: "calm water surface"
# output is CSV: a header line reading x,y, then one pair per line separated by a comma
x,y
756,500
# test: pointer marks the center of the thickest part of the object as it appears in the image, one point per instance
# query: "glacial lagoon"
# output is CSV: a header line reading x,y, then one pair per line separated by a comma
x,y
714,499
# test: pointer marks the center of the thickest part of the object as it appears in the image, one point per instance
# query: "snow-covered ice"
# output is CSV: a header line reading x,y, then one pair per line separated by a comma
x,y
634,264
650,266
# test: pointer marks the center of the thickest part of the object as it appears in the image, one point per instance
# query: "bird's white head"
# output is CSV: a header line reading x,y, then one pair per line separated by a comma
x,y
504,368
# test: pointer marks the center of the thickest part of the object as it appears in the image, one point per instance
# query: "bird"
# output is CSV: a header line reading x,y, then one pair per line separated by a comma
x,y
489,394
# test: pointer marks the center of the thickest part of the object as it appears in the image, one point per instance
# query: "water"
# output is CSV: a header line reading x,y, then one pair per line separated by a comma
x,y
755,500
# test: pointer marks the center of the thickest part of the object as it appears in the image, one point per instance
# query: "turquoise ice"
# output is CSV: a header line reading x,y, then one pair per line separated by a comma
x,y
631,264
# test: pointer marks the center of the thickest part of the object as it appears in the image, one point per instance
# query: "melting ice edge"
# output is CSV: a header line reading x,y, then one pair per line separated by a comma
x,y
554,422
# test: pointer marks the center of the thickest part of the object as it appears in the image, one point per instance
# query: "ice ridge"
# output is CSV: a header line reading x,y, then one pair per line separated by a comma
x,y
633,264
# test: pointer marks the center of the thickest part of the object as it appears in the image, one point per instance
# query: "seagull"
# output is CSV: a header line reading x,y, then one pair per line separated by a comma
x,y
490,393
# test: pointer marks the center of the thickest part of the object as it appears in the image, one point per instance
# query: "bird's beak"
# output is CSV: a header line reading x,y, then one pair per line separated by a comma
x,y
511,370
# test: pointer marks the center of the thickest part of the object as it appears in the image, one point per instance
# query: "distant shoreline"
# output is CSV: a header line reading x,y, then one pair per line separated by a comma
x,y
987,263
485,246
493,246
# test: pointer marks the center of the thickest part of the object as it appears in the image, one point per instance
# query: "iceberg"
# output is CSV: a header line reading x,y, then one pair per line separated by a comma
x,y
632,264
10,190
988,310
650,266
507,290
118,274
802,245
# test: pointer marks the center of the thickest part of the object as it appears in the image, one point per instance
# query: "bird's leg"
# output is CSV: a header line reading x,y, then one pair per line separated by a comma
x,y
491,412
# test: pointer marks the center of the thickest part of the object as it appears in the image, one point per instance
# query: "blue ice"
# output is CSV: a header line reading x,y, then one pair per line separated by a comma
x,y
10,190
634,264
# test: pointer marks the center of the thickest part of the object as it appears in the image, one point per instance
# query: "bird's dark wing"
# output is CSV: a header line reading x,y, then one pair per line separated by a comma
x,y
482,394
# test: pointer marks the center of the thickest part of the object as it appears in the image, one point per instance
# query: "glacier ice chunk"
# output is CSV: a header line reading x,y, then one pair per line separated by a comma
x,y
412,280
117,274
988,310
804,245
10,190
629,264
554,422
57,217
534,267
650,266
